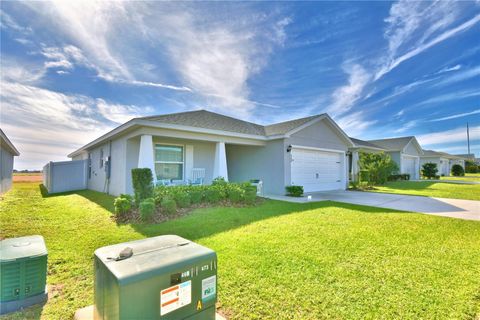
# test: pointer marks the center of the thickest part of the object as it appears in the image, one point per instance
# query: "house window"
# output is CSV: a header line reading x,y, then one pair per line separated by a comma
x,y
101,158
169,162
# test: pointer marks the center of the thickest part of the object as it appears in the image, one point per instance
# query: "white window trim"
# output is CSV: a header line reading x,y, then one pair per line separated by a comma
x,y
155,144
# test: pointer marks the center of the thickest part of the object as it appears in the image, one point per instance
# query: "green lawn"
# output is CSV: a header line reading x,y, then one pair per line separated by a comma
x,y
280,260
432,189
467,177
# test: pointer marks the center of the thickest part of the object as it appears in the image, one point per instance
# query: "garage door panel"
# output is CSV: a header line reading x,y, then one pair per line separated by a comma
x,y
409,166
317,170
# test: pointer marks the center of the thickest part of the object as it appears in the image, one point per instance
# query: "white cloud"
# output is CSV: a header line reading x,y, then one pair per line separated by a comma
x,y
53,124
449,69
345,96
407,126
415,26
213,58
459,115
216,60
460,76
448,97
120,113
146,84
354,124
449,136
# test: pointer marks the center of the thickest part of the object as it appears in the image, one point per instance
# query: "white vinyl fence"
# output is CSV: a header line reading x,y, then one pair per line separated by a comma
x,y
65,176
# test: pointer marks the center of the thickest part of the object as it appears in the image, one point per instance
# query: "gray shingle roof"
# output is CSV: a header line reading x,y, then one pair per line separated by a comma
x,y
287,126
363,143
393,143
211,120
433,153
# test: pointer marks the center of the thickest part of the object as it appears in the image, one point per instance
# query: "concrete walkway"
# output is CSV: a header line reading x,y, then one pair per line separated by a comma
x,y
454,208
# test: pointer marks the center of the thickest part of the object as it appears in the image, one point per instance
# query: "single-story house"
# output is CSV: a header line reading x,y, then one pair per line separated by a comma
x,y
469,157
7,152
181,147
405,152
359,146
443,160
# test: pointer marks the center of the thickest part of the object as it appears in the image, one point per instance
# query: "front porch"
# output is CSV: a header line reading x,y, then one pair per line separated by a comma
x,y
176,161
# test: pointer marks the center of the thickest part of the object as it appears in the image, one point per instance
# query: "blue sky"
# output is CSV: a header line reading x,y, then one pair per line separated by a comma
x,y
71,71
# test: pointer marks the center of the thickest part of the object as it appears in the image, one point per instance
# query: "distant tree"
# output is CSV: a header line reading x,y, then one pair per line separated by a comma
x,y
429,170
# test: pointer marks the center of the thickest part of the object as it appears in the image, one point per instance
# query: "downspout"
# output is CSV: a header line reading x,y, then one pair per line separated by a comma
x,y
109,173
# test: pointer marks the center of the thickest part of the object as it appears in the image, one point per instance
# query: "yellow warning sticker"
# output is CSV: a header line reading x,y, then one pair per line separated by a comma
x,y
199,305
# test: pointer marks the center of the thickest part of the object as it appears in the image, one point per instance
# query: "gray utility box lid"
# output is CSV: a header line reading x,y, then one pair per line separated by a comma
x,y
150,256
23,247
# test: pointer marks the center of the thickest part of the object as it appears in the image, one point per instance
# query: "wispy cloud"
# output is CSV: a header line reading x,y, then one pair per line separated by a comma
x,y
460,76
212,58
458,95
406,126
345,96
62,122
449,69
449,136
407,18
458,115
354,124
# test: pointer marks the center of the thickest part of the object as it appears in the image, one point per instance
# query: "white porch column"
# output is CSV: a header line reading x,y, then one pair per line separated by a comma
x,y
355,168
220,162
145,155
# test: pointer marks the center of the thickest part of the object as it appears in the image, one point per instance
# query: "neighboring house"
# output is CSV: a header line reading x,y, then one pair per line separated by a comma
x,y
443,160
405,152
7,152
360,146
469,157
179,147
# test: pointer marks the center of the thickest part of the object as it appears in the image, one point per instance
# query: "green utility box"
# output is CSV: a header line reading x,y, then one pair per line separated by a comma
x,y
23,273
165,277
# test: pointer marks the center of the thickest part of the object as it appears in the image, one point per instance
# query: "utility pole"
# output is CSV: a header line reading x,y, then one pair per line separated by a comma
x,y
468,139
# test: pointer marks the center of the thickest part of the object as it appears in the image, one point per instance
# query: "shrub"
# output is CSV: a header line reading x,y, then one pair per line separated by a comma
x,y
294,191
235,193
169,206
126,196
147,208
251,194
213,194
379,166
457,170
122,205
429,170
182,198
219,181
471,167
142,181
196,195
364,176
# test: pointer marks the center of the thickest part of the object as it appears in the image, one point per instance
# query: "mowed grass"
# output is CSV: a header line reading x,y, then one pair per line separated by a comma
x,y
467,177
279,260
432,189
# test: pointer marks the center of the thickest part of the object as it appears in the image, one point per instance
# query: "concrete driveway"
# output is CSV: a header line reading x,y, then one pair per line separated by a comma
x,y
454,208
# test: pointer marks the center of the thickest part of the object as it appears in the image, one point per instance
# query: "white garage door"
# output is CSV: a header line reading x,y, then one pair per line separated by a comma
x,y
317,170
444,167
409,166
